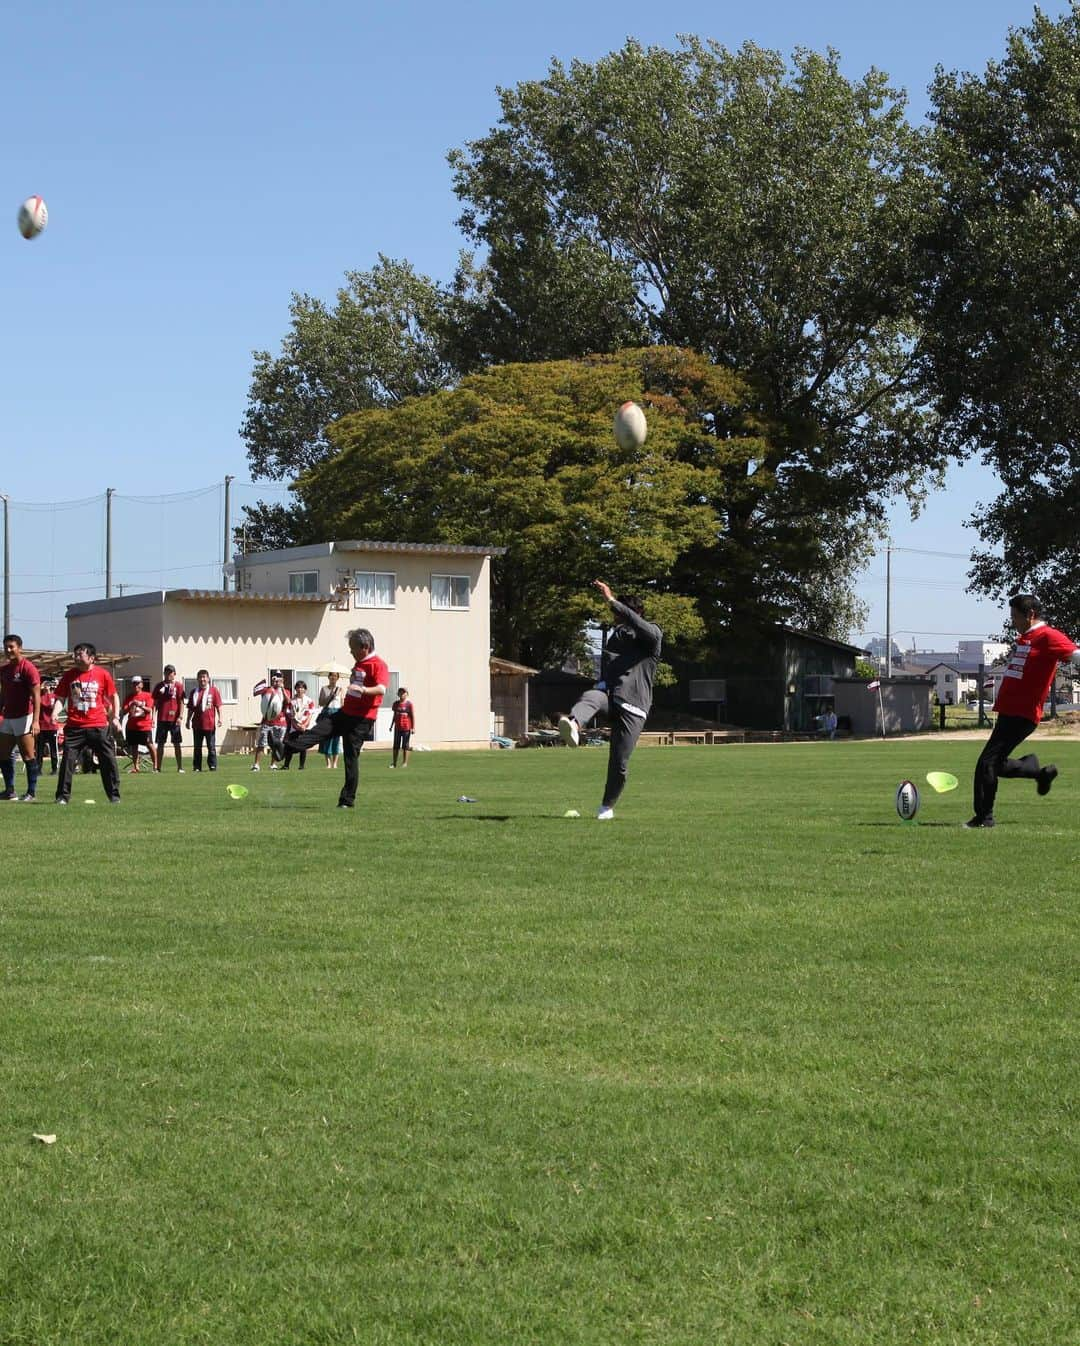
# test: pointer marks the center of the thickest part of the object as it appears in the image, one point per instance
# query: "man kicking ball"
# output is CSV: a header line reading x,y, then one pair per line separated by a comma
x,y
354,721
1025,686
624,692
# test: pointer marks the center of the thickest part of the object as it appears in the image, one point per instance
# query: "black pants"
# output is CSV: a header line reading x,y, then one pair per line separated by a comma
x,y
353,732
209,737
994,761
625,732
46,743
100,743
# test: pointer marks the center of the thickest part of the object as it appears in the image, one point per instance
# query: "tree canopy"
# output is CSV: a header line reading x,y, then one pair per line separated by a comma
x,y
770,215
1003,318
767,215
523,457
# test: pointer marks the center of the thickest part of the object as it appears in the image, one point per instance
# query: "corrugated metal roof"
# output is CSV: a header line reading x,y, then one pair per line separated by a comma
x,y
445,548
505,667
219,596
51,663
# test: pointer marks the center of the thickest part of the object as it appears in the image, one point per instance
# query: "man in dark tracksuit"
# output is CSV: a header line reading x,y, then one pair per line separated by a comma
x,y
625,694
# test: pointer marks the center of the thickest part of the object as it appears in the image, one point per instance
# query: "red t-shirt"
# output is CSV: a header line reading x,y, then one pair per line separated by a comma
x,y
16,680
47,723
1030,671
89,696
403,716
169,700
202,707
143,717
369,672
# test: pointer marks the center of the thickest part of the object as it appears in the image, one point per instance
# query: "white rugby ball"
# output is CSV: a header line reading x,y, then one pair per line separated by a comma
x,y
907,800
630,426
33,217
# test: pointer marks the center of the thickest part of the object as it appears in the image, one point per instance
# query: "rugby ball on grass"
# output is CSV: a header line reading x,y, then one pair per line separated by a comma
x,y
630,426
907,800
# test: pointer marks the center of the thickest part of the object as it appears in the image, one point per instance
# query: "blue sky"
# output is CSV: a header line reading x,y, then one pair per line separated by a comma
x,y
201,162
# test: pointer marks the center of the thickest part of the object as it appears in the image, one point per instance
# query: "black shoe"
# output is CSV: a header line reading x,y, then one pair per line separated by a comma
x,y
980,822
9,794
1047,776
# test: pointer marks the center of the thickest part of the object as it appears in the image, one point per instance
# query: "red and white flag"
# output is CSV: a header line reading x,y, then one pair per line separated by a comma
x,y
873,686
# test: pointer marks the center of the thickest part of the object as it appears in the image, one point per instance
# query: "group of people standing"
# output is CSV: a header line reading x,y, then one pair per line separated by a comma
x,y
93,717
292,714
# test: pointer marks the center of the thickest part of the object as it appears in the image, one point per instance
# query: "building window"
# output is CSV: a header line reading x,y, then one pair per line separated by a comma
x,y
948,677
450,593
303,581
228,689
375,589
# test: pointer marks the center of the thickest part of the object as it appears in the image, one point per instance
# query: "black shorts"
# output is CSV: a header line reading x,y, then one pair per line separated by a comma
x,y
137,738
402,739
167,729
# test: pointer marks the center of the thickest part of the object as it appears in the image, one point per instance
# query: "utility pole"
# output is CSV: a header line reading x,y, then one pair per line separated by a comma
x,y
225,542
888,610
7,565
109,493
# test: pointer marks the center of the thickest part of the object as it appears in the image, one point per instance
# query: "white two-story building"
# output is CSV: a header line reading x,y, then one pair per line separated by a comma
x,y
427,604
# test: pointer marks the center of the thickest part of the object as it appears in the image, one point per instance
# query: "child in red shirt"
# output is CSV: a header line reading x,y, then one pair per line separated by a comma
x,y
139,709
404,724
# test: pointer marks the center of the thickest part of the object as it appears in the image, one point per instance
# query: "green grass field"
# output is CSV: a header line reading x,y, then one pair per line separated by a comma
x,y
756,1063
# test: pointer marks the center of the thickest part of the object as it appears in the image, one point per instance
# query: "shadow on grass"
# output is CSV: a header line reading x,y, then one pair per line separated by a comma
x,y
474,817
915,824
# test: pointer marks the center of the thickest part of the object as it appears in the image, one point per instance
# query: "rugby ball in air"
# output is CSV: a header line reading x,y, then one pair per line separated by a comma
x,y
33,217
907,800
630,426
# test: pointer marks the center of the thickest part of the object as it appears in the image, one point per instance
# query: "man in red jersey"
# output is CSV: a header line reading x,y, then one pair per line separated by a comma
x,y
354,723
1028,676
204,717
20,717
275,702
169,702
92,706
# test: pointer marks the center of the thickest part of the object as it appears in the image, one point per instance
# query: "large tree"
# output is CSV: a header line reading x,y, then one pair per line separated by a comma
x,y
378,344
1003,324
766,215
523,457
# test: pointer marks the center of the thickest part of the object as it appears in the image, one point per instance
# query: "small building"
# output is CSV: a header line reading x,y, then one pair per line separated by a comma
x,y
906,702
427,604
509,698
780,679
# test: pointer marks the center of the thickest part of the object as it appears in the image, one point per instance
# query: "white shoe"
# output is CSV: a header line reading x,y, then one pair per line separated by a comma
x,y
604,814
568,731
256,767
274,766
393,766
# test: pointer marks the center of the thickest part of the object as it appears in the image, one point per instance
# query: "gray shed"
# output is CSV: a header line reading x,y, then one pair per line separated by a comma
x,y
905,700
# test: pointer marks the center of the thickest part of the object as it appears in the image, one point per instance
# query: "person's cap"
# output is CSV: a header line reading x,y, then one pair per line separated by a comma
x,y
275,672
136,678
